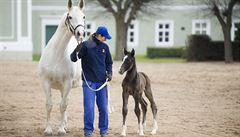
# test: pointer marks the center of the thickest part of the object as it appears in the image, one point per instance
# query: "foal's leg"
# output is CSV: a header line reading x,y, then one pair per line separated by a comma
x,y
138,113
125,97
63,106
47,89
144,110
148,93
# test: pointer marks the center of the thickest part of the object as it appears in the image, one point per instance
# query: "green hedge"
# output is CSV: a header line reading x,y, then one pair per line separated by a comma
x,y
237,37
202,48
156,52
198,47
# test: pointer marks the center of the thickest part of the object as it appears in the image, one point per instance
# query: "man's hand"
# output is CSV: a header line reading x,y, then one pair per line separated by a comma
x,y
78,48
109,76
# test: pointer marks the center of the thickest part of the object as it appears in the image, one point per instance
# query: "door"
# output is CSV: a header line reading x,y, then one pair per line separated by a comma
x,y
50,30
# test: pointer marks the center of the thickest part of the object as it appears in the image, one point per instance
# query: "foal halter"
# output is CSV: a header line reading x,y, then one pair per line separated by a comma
x,y
68,24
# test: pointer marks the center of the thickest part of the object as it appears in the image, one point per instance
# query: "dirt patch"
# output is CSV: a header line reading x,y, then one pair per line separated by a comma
x,y
193,99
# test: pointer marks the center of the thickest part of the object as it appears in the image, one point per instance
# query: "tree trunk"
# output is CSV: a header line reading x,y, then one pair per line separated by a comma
x,y
121,37
227,42
228,46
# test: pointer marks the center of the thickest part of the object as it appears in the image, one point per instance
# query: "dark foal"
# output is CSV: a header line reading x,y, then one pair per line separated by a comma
x,y
135,83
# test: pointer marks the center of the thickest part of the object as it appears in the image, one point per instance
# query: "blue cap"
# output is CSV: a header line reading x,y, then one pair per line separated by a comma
x,y
104,32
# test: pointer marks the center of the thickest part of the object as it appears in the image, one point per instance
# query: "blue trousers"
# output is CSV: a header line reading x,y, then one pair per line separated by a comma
x,y
89,103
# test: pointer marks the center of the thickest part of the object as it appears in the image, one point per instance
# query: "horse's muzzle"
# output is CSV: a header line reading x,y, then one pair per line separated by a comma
x,y
79,39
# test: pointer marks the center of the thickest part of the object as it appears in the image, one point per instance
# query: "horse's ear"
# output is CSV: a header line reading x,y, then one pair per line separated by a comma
x,y
81,4
125,51
133,52
69,4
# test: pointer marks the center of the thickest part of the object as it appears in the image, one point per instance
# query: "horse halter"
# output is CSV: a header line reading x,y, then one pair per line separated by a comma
x,y
68,24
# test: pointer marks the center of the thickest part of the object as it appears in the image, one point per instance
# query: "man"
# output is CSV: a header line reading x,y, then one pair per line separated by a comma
x,y
96,68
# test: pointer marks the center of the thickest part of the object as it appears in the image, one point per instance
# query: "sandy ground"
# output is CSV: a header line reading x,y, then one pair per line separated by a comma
x,y
193,99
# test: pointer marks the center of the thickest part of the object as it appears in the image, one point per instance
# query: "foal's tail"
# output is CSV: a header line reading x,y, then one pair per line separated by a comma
x,y
149,95
148,82
148,90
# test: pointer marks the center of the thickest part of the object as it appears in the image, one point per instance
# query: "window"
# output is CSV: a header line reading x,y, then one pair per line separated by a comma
x,y
89,29
234,29
164,33
201,27
132,34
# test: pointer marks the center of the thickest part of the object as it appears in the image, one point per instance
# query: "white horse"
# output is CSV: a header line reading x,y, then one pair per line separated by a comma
x,y
56,69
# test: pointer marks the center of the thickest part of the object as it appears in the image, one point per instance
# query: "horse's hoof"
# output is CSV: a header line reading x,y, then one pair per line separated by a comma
x,y
141,134
123,134
154,131
61,133
47,133
67,130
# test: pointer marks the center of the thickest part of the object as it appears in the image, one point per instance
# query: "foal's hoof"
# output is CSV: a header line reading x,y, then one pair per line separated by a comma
x,y
124,129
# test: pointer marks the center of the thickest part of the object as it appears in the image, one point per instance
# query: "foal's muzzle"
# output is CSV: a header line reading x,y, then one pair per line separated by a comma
x,y
121,71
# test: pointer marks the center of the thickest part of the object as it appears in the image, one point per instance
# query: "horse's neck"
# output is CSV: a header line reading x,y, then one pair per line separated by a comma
x,y
132,73
61,39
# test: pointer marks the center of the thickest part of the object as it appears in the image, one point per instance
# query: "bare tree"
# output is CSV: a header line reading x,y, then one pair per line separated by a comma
x,y
124,11
223,10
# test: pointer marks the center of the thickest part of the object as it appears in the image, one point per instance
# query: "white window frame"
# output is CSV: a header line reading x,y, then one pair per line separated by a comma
x,y
135,32
170,30
201,29
233,29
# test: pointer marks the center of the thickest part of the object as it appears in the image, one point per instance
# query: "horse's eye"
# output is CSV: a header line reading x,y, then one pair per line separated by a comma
x,y
70,17
84,17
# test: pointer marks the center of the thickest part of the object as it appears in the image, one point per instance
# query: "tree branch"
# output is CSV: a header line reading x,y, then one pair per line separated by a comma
x,y
137,6
218,14
229,13
107,5
126,6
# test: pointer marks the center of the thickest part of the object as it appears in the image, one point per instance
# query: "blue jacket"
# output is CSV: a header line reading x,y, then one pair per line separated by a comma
x,y
96,60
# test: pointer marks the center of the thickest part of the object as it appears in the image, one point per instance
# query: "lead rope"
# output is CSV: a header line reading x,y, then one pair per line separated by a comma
x,y
103,85
85,80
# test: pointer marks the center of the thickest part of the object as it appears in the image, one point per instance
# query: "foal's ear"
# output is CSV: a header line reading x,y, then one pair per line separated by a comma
x,y
125,51
81,4
133,52
69,4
